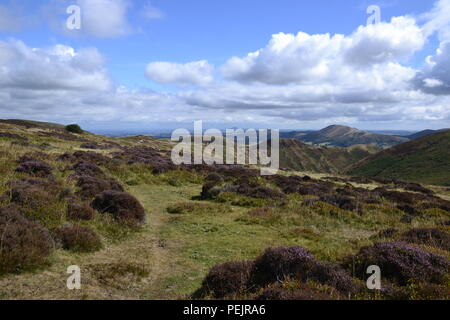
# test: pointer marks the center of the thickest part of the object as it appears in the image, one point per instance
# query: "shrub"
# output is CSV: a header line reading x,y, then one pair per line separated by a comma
x,y
400,263
225,279
85,168
74,128
92,186
214,177
80,211
36,168
278,264
88,156
23,244
123,206
37,198
94,146
77,238
300,291
342,202
327,273
430,237
210,191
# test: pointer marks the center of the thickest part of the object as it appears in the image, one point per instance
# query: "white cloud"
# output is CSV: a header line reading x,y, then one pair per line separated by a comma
x,y
319,58
59,67
104,18
435,76
192,73
438,20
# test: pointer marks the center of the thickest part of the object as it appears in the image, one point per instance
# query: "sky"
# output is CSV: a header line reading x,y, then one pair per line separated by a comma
x,y
286,64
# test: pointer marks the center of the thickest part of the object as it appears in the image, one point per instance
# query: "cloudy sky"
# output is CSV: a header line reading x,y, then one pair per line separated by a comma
x,y
287,64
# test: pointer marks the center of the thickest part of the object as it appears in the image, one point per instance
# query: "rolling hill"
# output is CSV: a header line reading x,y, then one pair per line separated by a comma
x,y
425,160
297,155
424,133
342,136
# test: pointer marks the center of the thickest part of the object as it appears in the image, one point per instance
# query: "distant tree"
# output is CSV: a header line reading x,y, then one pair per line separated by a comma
x,y
74,128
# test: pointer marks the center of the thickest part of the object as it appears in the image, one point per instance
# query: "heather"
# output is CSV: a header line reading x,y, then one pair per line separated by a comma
x,y
141,228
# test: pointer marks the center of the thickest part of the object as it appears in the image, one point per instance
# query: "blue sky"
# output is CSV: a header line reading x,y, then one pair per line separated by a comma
x,y
197,40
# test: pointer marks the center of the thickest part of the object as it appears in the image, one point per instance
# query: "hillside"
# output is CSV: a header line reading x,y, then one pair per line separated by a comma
x,y
425,160
139,227
342,136
424,133
299,156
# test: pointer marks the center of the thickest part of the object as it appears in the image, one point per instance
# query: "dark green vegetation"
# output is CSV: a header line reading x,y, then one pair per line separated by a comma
x,y
425,160
299,156
74,128
141,228
342,136
424,133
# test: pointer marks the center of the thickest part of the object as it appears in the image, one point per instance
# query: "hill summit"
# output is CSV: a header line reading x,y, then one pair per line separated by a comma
x,y
343,136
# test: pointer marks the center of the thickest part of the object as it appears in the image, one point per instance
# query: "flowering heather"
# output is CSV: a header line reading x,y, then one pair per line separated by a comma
x,y
226,279
80,211
430,237
123,206
77,238
36,168
24,244
400,262
278,264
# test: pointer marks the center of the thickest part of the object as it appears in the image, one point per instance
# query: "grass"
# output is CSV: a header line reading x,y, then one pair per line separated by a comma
x,y
169,256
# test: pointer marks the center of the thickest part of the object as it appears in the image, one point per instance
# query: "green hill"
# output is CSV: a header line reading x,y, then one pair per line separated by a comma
x,y
425,160
342,136
297,155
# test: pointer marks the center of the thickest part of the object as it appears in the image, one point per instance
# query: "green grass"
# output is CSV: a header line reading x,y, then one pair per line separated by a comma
x,y
425,160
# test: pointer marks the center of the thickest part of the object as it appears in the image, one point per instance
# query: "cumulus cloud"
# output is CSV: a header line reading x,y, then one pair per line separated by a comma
x,y
192,73
58,67
435,76
305,58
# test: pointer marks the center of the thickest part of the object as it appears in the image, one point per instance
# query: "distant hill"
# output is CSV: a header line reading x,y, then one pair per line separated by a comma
x,y
299,156
342,136
425,160
424,133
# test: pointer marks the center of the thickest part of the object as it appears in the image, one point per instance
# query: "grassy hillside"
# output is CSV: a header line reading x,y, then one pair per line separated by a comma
x,y
299,156
425,160
424,133
162,234
342,136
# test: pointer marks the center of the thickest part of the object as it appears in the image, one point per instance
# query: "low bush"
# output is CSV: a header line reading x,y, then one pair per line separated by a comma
x,y
23,244
77,238
400,263
36,168
74,128
430,237
80,211
278,264
296,292
226,279
121,205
